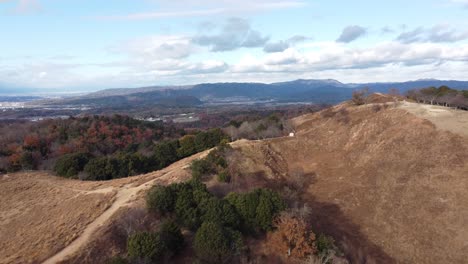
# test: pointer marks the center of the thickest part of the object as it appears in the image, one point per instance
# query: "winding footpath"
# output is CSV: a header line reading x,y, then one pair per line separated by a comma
x,y
124,196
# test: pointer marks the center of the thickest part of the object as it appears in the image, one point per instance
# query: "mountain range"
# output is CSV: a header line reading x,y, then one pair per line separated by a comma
x,y
314,91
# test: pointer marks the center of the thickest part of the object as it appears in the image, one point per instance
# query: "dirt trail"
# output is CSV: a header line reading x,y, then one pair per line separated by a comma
x,y
125,195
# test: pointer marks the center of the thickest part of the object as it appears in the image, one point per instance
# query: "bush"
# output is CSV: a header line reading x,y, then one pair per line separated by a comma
x,y
208,139
97,169
172,236
257,208
359,96
325,244
224,177
187,146
148,246
215,244
201,168
219,211
70,165
216,159
186,209
165,153
161,199
28,161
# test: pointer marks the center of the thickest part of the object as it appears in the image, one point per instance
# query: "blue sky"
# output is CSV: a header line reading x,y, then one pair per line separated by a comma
x,y
83,45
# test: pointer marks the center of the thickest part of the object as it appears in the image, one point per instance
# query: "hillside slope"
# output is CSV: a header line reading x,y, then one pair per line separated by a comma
x,y
47,219
388,185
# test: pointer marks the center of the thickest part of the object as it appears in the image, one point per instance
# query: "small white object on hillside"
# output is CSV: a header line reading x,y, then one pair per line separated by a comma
x,y
291,134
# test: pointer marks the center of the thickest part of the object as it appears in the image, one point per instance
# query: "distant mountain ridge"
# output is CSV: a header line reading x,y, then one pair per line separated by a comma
x,y
314,91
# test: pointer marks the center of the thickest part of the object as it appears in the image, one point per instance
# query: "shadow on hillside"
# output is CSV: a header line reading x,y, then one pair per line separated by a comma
x,y
326,217
329,219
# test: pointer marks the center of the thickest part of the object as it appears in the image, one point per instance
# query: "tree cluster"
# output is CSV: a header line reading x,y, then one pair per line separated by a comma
x,y
218,223
37,145
214,163
149,246
269,127
443,95
99,147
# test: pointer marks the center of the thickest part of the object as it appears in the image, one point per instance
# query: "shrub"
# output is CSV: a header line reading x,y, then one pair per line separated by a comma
x,y
257,208
165,153
97,169
186,209
325,244
161,199
219,211
359,96
208,139
215,244
172,236
145,245
187,146
216,158
200,168
28,162
70,165
224,176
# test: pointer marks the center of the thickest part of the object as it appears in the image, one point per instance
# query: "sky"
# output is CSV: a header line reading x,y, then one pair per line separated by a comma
x,y
85,45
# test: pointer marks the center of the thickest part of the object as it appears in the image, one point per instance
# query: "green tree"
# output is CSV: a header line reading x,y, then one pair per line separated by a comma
x,y
201,168
187,146
257,208
28,162
148,246
97,169
161,199
269,206
215,244
172,236
219,211
186,208
166,153
70,165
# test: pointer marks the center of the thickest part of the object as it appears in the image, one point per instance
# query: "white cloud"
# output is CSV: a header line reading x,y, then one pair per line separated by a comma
x,y
150,62
159,47
328,56
438,33
236,33
190,8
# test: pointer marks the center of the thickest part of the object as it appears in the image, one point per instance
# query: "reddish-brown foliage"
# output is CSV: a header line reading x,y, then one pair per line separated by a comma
x,y
293,237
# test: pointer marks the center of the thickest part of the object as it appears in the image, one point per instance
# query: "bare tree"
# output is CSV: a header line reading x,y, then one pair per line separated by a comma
x,y
132,221
359,96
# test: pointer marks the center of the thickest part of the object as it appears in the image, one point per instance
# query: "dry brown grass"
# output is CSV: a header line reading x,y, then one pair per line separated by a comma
x,y
38,217
43,216
388,185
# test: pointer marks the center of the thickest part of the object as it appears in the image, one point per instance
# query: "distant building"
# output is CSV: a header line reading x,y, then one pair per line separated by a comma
x,y
291,134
